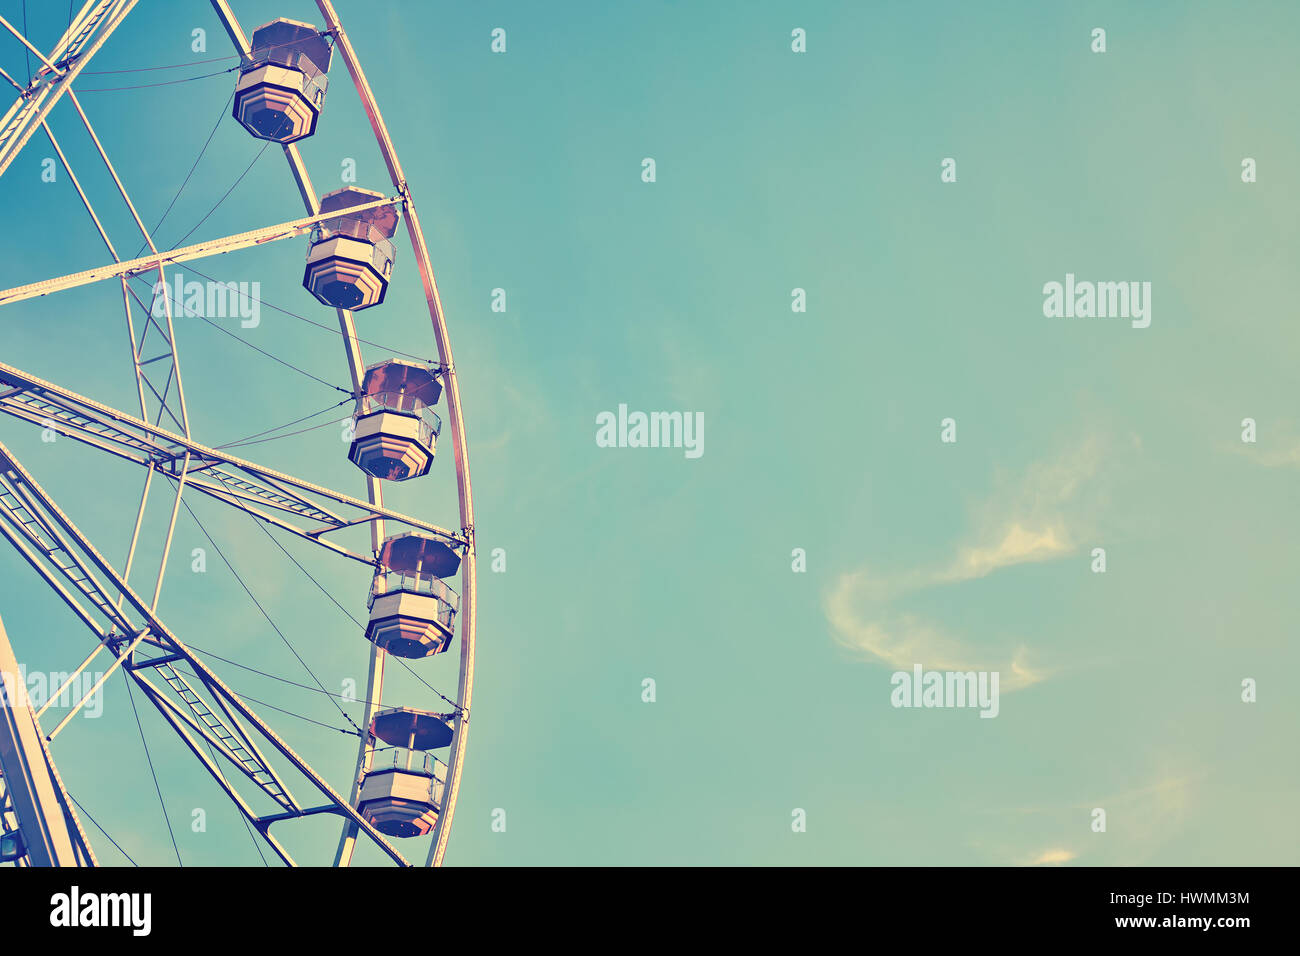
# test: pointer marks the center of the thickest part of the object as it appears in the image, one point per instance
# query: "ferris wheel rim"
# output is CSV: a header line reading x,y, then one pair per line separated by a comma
x,y
115,11
468,619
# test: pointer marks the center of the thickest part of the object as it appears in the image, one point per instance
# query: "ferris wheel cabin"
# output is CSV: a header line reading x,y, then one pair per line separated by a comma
x,y
402,788
282,82
350,259
395,429
412,609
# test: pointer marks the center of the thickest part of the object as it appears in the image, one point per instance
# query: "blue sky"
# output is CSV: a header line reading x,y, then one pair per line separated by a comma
x,y
775,171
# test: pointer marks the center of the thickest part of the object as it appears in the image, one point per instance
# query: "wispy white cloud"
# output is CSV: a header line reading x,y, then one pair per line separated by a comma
x,y
1018,545
1053,857
901,640
1038,515
1276,445
1288,456
1139,821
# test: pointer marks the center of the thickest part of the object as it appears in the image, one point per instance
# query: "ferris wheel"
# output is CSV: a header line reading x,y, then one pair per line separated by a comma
x,y
409,760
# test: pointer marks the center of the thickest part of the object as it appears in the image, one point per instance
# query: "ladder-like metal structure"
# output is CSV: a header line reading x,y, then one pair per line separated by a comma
x,y
37,822
203,711
38,826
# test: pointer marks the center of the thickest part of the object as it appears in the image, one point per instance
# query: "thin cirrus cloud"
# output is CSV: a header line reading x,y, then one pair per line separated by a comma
x,y
1054,857
1274,446
1038,515
1285,457
1141,821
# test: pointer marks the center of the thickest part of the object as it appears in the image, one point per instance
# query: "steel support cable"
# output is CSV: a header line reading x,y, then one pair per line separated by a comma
x,y
146,86
186,313
320,325
277,677
304,687
86,813
247,829
259,606
248,440
291,713
301,431
161,802
310,720
177,66
460,711
27,57
186,181
240,179
214,208
197,225
333,600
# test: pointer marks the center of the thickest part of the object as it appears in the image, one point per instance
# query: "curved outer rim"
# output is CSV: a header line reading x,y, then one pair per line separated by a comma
x,y
460,736
465,688
460,732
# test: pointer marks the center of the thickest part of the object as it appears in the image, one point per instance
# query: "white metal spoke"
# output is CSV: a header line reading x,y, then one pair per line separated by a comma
x,y
22,39
172,447
215,724
76,48
200,250
94,688
32,785
147,620
374,488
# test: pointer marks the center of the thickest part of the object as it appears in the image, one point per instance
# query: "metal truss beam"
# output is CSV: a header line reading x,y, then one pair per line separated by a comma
x,y
374,488
210,470
39,540
33,790
222,733
226,736
83,39
172,716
